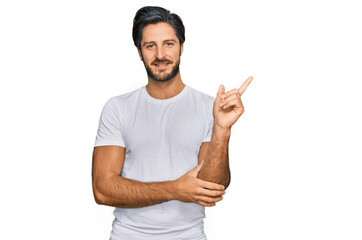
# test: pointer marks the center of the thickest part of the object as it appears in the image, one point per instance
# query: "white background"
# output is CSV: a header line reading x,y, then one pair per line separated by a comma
x,y
295,154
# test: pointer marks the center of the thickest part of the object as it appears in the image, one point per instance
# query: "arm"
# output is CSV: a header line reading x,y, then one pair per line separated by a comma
x,y
227,110
216,166
109,188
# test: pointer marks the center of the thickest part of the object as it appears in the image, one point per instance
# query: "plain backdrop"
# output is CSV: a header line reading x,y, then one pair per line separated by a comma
x,y
295,154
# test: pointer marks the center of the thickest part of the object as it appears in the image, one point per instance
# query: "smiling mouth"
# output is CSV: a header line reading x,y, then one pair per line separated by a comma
x,y
160,65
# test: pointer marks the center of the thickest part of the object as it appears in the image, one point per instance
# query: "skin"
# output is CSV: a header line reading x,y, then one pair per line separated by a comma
x,y
227,109
160,42
206,183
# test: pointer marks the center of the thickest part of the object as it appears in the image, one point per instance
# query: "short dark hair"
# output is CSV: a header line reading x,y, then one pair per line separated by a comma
x,y
152,15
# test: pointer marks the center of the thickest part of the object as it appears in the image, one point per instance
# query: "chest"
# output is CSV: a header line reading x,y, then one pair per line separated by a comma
x,y
178,127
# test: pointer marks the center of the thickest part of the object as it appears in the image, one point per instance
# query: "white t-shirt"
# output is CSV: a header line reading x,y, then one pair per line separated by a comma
x,y
162,138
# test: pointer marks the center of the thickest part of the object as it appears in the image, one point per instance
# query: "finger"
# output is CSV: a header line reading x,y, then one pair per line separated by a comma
x,y
205,204
210,185
232,103
229,93
245,85
211,193
210,199
231,97
221,90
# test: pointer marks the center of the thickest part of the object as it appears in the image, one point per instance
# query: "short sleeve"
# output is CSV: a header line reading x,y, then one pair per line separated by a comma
x,y
110,127
210,122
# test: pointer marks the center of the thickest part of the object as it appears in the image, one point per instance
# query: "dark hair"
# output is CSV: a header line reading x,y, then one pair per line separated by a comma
x,y
153,15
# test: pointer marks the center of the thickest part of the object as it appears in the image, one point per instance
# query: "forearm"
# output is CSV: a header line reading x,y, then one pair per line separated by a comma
x,y
216,163
121,192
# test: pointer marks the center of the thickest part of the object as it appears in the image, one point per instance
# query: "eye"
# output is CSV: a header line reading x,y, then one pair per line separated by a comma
x,y
150,46
169,44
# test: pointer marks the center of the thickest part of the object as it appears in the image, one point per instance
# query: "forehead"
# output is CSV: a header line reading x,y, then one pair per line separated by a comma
x,y
158,32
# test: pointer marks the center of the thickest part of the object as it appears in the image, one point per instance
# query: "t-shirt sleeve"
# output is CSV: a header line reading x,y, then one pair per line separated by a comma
x,y
207,136
110,127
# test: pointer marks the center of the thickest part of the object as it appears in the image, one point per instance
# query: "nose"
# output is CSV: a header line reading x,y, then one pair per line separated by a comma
x,y
160,54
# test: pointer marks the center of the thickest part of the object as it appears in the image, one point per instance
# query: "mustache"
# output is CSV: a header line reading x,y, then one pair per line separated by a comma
x,y
161,61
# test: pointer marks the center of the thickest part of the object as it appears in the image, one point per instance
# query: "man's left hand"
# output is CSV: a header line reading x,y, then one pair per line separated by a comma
x,y
228,106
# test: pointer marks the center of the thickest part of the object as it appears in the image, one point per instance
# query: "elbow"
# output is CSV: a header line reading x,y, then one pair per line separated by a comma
x,y
221,181
99,198
99,201
226,183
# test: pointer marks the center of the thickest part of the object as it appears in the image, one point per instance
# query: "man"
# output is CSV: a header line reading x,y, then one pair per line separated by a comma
x,y
161,151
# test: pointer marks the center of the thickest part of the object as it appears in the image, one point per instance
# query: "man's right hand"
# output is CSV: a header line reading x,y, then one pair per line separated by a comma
x,y
189,188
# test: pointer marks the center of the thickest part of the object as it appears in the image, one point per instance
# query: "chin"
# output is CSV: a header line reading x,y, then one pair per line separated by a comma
x,y
163,76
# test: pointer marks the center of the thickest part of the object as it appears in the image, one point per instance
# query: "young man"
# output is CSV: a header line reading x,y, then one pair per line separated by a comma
x,y
161,151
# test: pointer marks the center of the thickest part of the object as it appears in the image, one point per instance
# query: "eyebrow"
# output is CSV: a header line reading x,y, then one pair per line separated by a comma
x,y
167,40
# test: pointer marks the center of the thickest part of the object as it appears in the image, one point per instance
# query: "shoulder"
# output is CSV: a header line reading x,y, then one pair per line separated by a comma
x,y
205,102
120,104
124,101
201,95
126,97
202,98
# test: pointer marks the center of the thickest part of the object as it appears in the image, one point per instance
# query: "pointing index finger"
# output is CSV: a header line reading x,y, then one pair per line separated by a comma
x,y
245,85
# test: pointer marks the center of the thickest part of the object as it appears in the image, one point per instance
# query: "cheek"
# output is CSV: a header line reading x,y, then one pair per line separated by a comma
x,y
174,56
148,60
148,56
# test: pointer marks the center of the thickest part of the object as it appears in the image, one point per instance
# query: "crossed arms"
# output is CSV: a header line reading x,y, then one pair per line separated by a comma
x,y
204,185
111,189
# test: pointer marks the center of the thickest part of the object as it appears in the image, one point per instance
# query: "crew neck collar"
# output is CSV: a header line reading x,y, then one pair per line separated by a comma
x,y
167,100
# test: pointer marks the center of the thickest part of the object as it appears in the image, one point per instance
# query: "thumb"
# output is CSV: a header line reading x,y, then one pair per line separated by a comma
x,y
197,169
221,90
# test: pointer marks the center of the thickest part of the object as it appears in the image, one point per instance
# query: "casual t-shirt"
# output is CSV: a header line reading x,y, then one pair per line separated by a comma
x,y
162,138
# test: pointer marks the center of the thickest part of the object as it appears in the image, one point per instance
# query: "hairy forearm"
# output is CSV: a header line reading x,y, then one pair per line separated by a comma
x,y
216,163
121,192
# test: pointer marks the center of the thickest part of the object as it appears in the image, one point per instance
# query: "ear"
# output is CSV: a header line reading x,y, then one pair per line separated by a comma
x,y
140,54
181,49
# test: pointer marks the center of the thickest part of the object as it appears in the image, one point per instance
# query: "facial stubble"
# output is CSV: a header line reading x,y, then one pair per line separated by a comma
x,y
169,76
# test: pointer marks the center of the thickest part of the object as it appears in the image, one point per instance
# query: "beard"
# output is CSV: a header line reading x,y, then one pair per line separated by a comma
x,y
161,77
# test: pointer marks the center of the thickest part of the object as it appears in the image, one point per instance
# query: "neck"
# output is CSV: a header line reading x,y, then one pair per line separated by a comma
x,y
164,90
